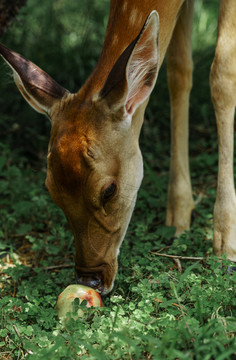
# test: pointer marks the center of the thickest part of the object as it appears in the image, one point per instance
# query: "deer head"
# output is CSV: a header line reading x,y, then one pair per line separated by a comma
x,y
94,165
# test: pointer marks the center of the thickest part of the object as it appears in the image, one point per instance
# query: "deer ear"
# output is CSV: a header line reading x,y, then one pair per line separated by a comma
x,y
37,87
134,74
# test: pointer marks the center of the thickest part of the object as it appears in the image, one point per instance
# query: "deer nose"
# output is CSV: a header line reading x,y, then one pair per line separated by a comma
x,y
92,280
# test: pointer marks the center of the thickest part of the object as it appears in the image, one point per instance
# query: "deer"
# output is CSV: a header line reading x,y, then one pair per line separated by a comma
x,y
94,163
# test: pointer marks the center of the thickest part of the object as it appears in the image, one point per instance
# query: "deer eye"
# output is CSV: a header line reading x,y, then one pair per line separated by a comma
x,y
109,192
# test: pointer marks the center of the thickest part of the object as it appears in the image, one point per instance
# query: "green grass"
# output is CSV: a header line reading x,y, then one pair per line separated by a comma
x,y
160,308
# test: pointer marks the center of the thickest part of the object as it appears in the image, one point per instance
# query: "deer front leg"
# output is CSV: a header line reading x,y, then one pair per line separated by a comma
x,y
223,90
179,71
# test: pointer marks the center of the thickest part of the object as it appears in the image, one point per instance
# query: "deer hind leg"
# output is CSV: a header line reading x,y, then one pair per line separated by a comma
x,y
223,90
179,72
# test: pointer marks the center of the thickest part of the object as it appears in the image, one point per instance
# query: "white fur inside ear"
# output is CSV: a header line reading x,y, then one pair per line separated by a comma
x,y
138,91
142,68
31,101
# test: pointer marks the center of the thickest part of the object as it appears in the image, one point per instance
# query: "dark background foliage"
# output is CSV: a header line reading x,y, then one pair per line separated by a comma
x,y
8,11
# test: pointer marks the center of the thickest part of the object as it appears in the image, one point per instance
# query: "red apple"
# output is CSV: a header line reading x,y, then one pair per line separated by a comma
x,y
66,298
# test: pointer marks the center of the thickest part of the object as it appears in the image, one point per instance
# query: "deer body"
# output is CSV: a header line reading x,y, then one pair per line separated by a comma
x,y
94,162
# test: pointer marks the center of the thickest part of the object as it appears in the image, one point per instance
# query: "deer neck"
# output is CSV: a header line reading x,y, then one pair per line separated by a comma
x,y
125,21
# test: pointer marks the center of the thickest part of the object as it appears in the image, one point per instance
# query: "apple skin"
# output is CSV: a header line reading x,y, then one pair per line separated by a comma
x,y
65,299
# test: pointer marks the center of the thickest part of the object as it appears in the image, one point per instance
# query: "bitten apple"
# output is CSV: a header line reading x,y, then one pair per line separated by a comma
x,y
71,292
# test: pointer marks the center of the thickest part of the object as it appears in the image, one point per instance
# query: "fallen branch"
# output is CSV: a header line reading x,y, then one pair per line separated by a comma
x,y
61,266
18,334
179,257
178,263
28,351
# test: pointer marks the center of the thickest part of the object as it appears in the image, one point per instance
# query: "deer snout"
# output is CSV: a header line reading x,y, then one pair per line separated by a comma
x,y
92,280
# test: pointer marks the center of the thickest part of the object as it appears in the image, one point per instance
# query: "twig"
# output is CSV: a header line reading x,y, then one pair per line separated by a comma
x,y
21,340
179,257
23,235
5,353
18,334
178,263
19,235
62,266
